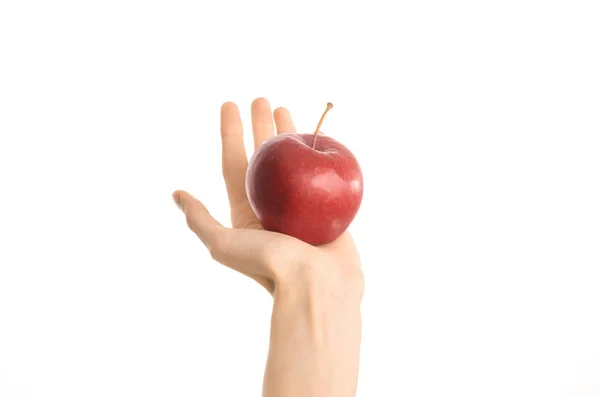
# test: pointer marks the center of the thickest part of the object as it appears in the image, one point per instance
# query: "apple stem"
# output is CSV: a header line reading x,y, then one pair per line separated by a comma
x,y
329,106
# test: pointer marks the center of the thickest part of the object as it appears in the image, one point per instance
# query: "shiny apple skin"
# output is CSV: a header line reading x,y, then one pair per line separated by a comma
x,y
310,194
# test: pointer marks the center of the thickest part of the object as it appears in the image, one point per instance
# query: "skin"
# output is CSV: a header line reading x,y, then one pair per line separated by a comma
x,y
316,321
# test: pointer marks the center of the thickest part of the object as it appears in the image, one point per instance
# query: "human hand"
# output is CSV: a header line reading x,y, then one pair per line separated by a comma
x,y
274,260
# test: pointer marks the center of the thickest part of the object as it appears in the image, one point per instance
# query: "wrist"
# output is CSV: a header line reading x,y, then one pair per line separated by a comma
x,y
316,330
323,285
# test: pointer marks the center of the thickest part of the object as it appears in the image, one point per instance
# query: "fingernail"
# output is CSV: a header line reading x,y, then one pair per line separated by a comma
x,y
177,201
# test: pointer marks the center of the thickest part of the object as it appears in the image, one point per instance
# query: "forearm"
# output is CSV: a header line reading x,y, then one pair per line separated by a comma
x,y
315,345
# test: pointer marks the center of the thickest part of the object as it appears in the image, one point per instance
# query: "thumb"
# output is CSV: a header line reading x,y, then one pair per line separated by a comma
x,y
197,216
218,240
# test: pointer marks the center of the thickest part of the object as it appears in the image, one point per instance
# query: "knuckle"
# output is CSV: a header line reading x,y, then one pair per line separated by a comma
x,y
270,255
218,245
234,170
190,221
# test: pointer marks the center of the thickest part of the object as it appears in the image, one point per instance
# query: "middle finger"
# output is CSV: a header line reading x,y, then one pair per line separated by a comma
x,y
262,121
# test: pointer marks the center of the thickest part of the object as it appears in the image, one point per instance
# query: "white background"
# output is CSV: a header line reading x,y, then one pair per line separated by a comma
x,y
476,124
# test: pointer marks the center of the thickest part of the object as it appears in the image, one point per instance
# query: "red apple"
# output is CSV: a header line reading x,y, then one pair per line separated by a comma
x,y
308,186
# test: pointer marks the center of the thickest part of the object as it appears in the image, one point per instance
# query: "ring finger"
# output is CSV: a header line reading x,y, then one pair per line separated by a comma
x,y
262,121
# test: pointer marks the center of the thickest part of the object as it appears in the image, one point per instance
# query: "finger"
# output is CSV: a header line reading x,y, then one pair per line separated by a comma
x,y
262,121
212,233
198,218
234,157
283,121
235,250
259,252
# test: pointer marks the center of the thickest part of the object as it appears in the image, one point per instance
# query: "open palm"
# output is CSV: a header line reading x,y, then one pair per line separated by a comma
x,y
267,257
